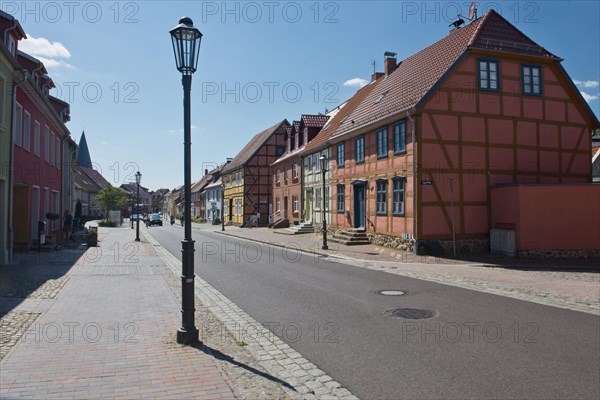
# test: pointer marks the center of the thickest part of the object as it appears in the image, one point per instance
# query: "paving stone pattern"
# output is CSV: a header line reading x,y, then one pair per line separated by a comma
x,y
110,335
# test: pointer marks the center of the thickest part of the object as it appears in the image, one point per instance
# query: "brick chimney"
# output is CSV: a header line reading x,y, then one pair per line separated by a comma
x,y
389,63
205,171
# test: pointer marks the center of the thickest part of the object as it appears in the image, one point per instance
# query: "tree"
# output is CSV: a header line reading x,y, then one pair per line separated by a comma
x,y
111,198
78,210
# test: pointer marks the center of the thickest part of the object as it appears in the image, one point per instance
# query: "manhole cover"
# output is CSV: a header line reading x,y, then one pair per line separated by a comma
x,y
411,313
391,292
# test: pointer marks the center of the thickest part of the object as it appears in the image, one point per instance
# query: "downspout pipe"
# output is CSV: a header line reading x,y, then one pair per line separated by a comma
x,y
9,226
12,28
414,169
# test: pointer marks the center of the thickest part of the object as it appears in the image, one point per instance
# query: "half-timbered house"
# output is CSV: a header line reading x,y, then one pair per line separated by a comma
x,y
287,170
482,107
248,189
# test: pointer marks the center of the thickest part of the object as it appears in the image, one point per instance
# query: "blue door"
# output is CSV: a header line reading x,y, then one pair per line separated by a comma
x,y
359,204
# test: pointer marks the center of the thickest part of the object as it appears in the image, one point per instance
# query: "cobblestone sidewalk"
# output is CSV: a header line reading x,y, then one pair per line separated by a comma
x,y
108,332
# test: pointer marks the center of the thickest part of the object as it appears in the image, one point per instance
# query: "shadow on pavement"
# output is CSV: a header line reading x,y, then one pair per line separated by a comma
x,y
224,357
35,275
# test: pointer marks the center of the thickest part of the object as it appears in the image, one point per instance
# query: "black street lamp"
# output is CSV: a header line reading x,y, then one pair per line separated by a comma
x,y
138,179
131,215
223,206
186,47
323,160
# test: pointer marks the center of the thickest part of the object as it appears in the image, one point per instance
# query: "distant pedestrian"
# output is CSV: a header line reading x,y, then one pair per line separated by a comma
x,y
67,225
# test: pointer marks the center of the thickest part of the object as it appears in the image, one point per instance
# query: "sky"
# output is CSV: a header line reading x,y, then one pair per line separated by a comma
x,y
260,62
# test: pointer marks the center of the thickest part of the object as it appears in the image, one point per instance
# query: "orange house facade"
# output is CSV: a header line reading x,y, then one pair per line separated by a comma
x,y
481,108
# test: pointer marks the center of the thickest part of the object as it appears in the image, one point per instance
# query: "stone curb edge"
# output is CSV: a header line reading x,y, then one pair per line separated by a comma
x,y
278,358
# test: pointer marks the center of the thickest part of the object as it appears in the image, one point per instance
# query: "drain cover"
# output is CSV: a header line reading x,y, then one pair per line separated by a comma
x,y
391,292
411,313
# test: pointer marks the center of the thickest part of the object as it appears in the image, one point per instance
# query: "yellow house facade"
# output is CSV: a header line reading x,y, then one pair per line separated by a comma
x,y
233,198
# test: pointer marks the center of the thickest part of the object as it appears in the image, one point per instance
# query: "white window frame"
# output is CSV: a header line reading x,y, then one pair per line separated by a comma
x,y
277,176
36,138
46,143
58,152
294,203
307,165
52,150
18,128
295,171
318,199
26,131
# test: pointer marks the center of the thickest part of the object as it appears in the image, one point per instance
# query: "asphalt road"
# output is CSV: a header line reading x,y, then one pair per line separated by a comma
x,y
476,345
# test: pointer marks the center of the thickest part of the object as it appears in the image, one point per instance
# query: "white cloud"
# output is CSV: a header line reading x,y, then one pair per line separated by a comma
x,y
50,63
586,84
588,97
356,82
42,47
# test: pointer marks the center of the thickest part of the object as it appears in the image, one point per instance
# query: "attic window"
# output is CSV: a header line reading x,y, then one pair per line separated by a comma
x,y
381,96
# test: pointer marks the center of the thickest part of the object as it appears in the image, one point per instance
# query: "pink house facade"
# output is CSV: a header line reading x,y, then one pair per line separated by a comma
x,y
39,136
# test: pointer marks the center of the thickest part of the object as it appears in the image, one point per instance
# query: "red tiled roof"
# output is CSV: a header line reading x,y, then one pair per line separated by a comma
x,y
253,145
314,121
96,177
418,74
296,126
341,117
495,33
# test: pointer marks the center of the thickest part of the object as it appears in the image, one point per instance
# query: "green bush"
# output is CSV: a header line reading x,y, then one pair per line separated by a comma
x,y
110,224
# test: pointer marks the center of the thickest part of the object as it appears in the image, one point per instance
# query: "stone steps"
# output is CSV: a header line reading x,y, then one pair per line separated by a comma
x,y
306,227
351,237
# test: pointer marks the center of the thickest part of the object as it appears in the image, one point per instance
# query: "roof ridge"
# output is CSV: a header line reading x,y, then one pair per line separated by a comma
x,y
483,18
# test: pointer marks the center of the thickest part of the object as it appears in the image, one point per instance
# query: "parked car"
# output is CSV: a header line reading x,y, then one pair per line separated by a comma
x,y
154,219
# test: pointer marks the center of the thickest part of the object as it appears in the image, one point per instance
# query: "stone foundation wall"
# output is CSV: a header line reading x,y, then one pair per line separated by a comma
x,y
392,242
559,253
444,247
463,246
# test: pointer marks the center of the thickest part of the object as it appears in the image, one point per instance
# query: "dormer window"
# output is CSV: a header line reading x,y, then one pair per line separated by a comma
x,y
12,46
296,140
305,136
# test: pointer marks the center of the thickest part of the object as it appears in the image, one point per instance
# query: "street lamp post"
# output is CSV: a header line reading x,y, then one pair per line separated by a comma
x,y
131,214
223,206
186,47
323,160
138,179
